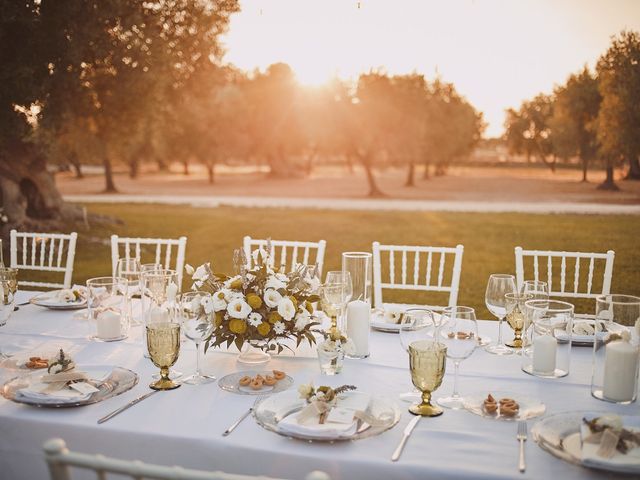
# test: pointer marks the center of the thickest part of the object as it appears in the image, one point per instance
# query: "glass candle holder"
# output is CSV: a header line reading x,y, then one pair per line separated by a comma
x,y
543,354
616,349
331,357
107,305
358,309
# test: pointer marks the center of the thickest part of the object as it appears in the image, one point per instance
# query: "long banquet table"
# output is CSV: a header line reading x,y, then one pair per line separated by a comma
x,y
184,426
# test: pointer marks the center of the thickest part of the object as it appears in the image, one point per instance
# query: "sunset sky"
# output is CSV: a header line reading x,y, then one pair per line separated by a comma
x,y
496,52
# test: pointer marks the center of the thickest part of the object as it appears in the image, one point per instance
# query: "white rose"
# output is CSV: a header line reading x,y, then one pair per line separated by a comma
x,y
219,304
207,305
286,309
56,369
301,322
272,298
238,308
254,319
189,269
610,420
275,283
305,391
200,274
278,327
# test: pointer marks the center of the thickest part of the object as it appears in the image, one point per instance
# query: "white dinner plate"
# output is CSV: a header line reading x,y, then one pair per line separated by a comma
x,y
50,300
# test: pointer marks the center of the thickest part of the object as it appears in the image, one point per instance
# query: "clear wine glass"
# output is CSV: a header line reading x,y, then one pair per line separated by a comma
x,y
536,288
460,335
499,284
336,293
197,325
7,302
129,269
417,324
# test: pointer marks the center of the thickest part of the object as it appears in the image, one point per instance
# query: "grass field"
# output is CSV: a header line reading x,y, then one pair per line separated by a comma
x,y
489,239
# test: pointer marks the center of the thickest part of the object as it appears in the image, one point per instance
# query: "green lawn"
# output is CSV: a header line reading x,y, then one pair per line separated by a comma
x,y
489,239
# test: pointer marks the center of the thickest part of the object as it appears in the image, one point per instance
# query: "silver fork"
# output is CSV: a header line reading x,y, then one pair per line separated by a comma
x,y
522,437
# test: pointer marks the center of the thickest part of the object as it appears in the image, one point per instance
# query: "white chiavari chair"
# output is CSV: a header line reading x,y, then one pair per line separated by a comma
x,y
43,252
286,254
421,268
568,278
60,460
156,250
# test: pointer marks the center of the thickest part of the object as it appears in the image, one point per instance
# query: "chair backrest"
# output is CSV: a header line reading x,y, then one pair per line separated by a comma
x,y
285,254
151,248
412,275
570,265
60,459
43,252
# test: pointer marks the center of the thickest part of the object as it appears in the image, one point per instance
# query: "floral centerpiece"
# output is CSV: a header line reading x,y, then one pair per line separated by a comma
x,y
259,306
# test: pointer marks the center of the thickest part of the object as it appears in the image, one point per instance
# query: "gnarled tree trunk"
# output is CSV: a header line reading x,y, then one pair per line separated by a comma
x,y
411,175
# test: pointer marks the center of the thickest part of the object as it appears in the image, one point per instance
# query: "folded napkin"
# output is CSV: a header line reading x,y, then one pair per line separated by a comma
x,y
626,463
305,425
41,389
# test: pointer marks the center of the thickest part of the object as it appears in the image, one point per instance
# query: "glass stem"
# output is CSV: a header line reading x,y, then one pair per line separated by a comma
x,y
198,374
500,330
456,365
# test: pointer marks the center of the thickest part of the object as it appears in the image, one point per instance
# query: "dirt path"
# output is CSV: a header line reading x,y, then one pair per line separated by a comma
x,y
463,184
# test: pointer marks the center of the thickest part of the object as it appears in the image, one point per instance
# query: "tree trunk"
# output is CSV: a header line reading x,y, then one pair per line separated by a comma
x,y
110,186
585,166
425,174
211,172
634,168
134,167
374,191
162,165
77,166
185,167
350,164
609,182
411,175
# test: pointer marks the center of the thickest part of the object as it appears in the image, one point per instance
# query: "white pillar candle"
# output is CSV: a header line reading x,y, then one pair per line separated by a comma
x,y
544,354
108,325
620,371
172,291
358,313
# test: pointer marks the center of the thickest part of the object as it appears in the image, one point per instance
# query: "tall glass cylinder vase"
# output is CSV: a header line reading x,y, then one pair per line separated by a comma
x,y
358,310
616,349
544,355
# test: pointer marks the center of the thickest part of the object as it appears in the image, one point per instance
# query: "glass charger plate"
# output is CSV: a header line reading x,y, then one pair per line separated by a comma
x,y
559,434
529,407
119,381
268,411
48,301
230,383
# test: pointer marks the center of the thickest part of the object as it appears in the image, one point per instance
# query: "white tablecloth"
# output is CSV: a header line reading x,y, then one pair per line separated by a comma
x,y
184,426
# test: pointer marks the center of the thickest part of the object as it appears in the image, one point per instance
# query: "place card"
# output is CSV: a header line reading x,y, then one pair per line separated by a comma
x,y
340,415
83,387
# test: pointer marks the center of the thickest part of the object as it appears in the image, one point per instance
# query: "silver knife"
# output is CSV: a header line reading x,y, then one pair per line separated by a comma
x,y
237,422
128,405
405,436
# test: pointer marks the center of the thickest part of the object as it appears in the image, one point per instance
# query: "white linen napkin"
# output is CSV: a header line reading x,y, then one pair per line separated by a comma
x,y
352,401
626,463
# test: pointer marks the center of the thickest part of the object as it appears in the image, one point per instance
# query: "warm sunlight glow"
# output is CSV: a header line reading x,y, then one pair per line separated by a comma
x,y
497,53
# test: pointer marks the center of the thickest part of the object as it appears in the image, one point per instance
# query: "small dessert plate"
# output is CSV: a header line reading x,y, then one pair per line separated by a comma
x,y
51,301
231,383
529,407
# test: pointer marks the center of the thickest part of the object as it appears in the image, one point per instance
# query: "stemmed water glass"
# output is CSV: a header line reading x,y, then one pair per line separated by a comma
x,y
7,302
163,343
417,324
499,285
196,312
460,335
336,293
536,288
129,269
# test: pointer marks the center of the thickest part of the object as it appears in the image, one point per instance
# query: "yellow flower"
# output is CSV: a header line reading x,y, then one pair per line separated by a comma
x,y
309,307
264,328
274,317
219,318
220,295
254,301
294,300
238,326
236,284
